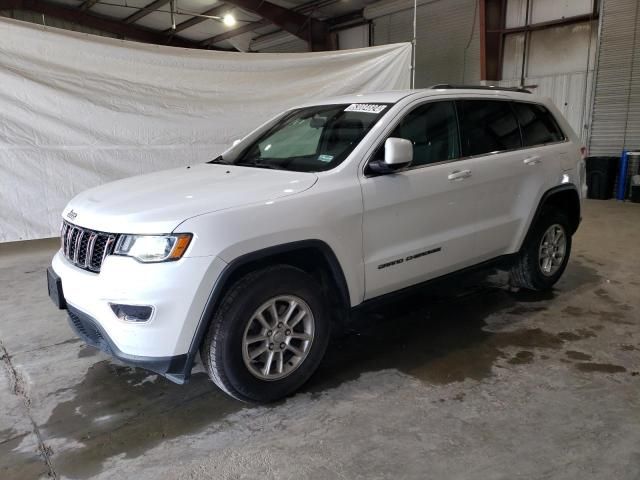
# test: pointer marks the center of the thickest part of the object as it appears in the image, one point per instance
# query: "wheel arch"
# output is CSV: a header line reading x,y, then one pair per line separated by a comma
x,y
567,198
313,256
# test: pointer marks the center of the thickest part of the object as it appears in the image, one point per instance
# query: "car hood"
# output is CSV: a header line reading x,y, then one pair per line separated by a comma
x,y
159,202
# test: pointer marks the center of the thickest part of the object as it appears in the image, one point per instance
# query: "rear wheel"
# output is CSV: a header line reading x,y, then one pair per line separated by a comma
x,y
268,335
545,254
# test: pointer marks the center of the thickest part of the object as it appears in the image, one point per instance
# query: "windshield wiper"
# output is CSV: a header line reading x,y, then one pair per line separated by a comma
x,y
257,164
218,160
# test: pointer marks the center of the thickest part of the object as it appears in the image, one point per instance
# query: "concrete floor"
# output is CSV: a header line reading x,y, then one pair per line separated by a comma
x,y
464,381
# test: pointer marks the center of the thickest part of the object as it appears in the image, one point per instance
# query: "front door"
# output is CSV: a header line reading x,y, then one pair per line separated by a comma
x,y
421,223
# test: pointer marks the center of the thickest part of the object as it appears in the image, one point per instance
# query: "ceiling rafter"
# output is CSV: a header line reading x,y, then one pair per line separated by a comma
x,y
297,21
144,11
249,27
104,24
314,31
87,4
306,9
354,18
213,12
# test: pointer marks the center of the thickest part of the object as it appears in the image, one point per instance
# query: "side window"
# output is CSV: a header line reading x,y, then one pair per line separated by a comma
x,y
487,126
433,130
538,125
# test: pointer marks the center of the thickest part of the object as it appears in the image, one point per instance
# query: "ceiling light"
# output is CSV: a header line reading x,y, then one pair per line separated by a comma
x,y
229,20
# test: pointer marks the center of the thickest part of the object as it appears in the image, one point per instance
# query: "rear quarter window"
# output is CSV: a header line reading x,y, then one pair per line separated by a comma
x,y
537,124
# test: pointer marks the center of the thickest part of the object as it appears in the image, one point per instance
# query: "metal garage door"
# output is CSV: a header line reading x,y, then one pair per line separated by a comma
x,y
616,108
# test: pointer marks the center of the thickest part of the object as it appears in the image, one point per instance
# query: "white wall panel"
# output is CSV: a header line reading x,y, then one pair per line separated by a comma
x,y
512,56
448,39
516,11
557,65
552,51
544,10
570,92
561,49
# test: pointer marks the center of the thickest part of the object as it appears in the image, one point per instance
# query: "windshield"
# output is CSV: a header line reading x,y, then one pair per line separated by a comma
x,y
311,139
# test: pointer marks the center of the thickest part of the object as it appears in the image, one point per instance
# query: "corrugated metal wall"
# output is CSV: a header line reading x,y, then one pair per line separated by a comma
x,y
448,40
355,37
616,107
33,17
290,44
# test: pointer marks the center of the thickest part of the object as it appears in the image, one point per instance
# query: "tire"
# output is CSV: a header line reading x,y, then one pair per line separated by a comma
x,y
226,349
528,272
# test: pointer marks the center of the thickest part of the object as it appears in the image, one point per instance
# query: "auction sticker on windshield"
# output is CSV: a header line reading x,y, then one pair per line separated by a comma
x,y
365,107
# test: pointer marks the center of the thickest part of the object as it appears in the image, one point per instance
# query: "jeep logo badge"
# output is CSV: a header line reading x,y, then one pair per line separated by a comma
x,y
71,214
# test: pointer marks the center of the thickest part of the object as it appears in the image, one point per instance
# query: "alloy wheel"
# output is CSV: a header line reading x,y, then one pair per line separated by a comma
x,y
553,248
278,337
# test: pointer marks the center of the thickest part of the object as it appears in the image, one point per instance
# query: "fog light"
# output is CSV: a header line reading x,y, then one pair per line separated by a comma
x,y
132,313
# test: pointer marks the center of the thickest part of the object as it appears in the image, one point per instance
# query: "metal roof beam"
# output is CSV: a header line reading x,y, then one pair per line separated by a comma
x,y
351,19
214,12
144,11
99,23
249,27
532,27
87,4
315,32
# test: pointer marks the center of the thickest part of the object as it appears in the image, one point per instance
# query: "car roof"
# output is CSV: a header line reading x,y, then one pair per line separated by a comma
x,y
394,96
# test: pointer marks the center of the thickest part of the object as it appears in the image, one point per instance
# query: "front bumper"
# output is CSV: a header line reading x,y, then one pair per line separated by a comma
x,y
173,368
178,291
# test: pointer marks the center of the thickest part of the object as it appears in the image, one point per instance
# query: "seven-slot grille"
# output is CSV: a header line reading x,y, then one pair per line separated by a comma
x,y
86,248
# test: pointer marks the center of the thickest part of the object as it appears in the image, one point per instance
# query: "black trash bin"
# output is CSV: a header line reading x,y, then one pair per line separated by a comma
x,y
635,189
601,176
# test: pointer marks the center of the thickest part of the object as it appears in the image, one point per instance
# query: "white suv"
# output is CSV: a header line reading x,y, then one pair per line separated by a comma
x,y
249,258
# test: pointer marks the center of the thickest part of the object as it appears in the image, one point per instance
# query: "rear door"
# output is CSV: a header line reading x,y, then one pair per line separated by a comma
x,y
515,177
547,153
490,134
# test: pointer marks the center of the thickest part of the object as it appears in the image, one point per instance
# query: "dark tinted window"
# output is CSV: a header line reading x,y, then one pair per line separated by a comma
x,y
433,130
537,123
487,126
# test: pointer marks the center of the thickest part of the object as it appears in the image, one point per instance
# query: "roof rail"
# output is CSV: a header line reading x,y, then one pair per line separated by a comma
x,y
446,86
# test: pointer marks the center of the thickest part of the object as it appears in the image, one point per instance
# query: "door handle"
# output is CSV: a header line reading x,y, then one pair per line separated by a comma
x,y
532,160
459,175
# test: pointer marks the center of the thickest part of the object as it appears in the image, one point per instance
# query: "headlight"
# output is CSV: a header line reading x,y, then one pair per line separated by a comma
x,y
153,248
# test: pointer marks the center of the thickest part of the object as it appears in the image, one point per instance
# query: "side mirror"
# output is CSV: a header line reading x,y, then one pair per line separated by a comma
x,y
398,154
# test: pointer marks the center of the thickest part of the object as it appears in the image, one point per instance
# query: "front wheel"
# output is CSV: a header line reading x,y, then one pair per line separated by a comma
x,y
268,335
545,254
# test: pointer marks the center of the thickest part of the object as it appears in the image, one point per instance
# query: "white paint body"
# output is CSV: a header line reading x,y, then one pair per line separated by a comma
x,y
367,221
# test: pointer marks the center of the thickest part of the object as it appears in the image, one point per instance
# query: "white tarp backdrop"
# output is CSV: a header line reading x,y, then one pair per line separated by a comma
x,y
78,110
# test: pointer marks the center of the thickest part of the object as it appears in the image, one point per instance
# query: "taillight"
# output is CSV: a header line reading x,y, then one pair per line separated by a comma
x,y
583,152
